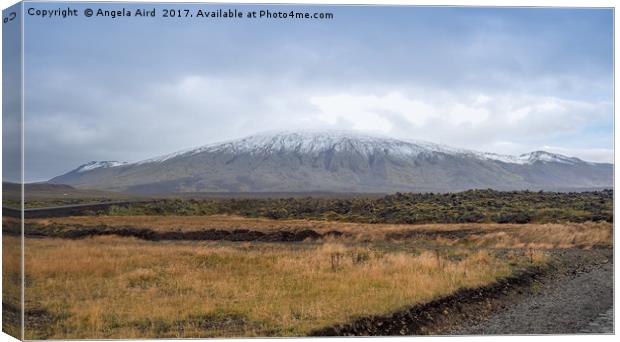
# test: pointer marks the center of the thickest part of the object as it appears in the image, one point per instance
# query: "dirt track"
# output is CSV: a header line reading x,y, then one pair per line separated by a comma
x,y
603,324
578,298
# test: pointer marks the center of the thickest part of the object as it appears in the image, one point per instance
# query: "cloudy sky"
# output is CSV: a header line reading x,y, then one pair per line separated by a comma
x,y
500,80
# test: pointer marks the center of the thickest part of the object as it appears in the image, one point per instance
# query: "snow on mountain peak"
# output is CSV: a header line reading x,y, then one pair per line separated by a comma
x,y
318,141
531,158
308,141
98,165
542,156
314,142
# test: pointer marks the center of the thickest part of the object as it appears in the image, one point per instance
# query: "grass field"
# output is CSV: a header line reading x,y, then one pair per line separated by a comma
x,y
125,287
11,283
108,287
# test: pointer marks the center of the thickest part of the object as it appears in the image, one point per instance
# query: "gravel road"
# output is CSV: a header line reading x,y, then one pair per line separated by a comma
x,y
603,324
578,298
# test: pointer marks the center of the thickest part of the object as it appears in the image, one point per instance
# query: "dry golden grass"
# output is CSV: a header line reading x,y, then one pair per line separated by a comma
x,y
186,222
541,236
110,287
546,236
171,222
11,285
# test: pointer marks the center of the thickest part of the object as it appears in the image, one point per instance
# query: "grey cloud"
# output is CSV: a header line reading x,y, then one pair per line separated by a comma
x,y
192,84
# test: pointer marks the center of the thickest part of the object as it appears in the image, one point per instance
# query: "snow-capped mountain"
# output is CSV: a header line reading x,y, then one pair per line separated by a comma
x,y
337,161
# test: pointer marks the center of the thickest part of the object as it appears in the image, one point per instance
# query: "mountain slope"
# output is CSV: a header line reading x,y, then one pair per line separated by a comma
x,y
339,162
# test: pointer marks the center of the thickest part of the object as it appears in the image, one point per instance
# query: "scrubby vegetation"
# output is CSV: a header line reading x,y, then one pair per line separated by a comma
x,y
474,206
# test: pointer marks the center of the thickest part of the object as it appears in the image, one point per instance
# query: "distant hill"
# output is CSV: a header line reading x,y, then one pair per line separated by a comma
x,y
328,161
45,195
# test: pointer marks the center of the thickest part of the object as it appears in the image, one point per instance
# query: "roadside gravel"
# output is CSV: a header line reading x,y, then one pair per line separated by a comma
x,y
577,298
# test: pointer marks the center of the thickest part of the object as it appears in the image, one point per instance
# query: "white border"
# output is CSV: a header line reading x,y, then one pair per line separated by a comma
x,y
481,3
